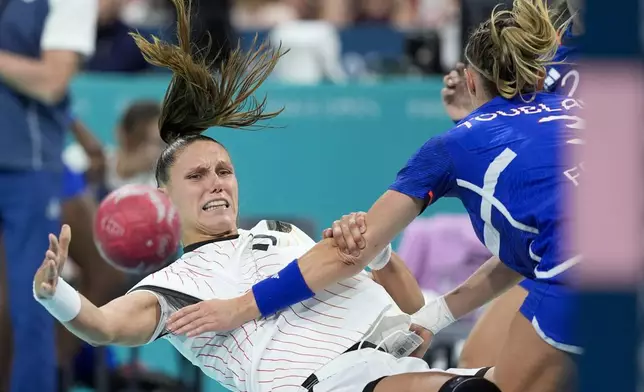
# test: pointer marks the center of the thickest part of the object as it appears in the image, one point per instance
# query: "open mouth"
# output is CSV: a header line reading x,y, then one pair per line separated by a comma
x,y
216,205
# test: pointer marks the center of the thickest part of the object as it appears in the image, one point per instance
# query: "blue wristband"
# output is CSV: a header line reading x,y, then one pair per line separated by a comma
x,y
286,288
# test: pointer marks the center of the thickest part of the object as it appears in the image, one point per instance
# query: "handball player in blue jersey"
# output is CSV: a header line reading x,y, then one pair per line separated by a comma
x,y
488,335
504,161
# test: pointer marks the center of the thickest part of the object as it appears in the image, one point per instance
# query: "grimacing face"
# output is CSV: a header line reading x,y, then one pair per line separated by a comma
x,y
203,187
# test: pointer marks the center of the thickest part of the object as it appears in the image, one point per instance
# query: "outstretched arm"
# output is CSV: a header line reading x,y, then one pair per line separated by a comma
x,y
129,320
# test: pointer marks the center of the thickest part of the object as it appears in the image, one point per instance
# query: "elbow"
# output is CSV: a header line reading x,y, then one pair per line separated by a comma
x,y
415,305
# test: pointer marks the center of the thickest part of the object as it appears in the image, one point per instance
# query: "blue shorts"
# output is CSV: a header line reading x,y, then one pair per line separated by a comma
x,y
73,184
526,284
551,310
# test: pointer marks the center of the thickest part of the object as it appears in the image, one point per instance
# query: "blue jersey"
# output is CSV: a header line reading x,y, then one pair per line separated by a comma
x,y
503,161
563,76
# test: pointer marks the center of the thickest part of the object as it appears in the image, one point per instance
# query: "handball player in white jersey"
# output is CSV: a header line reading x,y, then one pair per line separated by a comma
x,y
344,338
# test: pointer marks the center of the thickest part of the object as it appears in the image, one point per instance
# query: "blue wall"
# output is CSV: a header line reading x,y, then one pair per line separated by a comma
x,y
335,148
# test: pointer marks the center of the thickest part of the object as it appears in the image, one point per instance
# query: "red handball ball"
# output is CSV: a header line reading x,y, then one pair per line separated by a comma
x,y
137,229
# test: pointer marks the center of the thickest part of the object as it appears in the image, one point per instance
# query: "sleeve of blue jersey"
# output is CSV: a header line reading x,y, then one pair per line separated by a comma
x,y
428,175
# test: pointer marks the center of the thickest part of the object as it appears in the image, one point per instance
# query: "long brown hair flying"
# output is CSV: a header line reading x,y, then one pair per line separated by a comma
x,y
200,97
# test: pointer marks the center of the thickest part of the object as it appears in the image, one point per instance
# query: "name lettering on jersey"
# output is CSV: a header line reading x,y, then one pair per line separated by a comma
x,y
567,104
547,109
574,173
571,103
515,112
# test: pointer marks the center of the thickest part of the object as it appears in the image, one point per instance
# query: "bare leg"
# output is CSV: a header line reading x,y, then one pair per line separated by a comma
x,y
528,364
487,338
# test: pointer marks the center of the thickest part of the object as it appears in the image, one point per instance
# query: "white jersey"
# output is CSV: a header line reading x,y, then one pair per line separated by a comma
x,y
279,352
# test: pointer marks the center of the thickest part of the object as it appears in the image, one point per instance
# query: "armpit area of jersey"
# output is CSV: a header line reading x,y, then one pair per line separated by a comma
x,y
175,299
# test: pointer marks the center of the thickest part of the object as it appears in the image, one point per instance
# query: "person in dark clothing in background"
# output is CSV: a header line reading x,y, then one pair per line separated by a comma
x,y
42,46
115,49
474,12
117,52
211,21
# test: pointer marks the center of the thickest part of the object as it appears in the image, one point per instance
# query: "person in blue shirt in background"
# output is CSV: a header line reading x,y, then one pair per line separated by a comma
x,y
42,44
486,339
504,162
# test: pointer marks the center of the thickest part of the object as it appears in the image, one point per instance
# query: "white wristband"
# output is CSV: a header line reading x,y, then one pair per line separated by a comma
x,y
65,305
380,261
434,316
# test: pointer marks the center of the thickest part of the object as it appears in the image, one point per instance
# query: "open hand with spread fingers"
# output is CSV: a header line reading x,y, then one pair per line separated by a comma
x,y
46,277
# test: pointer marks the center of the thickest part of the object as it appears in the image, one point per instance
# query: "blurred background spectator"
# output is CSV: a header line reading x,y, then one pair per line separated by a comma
x,y
133,160
115,49
350,39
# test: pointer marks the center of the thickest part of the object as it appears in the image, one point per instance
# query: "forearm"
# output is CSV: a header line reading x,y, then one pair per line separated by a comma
x,y
325,264
91,325
487,283
401,285
130,320
330,269
492,279
32,78
86,139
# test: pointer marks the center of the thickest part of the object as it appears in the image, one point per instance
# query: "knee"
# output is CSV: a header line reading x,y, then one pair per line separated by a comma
x,y
469,384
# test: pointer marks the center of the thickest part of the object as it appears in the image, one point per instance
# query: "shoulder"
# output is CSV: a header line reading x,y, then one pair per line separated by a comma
x,y
273,225
173,279
285,233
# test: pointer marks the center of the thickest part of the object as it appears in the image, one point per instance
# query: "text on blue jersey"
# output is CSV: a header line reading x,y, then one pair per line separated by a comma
x,y
506,162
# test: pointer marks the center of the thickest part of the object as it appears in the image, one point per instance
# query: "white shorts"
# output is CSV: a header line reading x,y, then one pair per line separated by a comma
x,y
352,371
